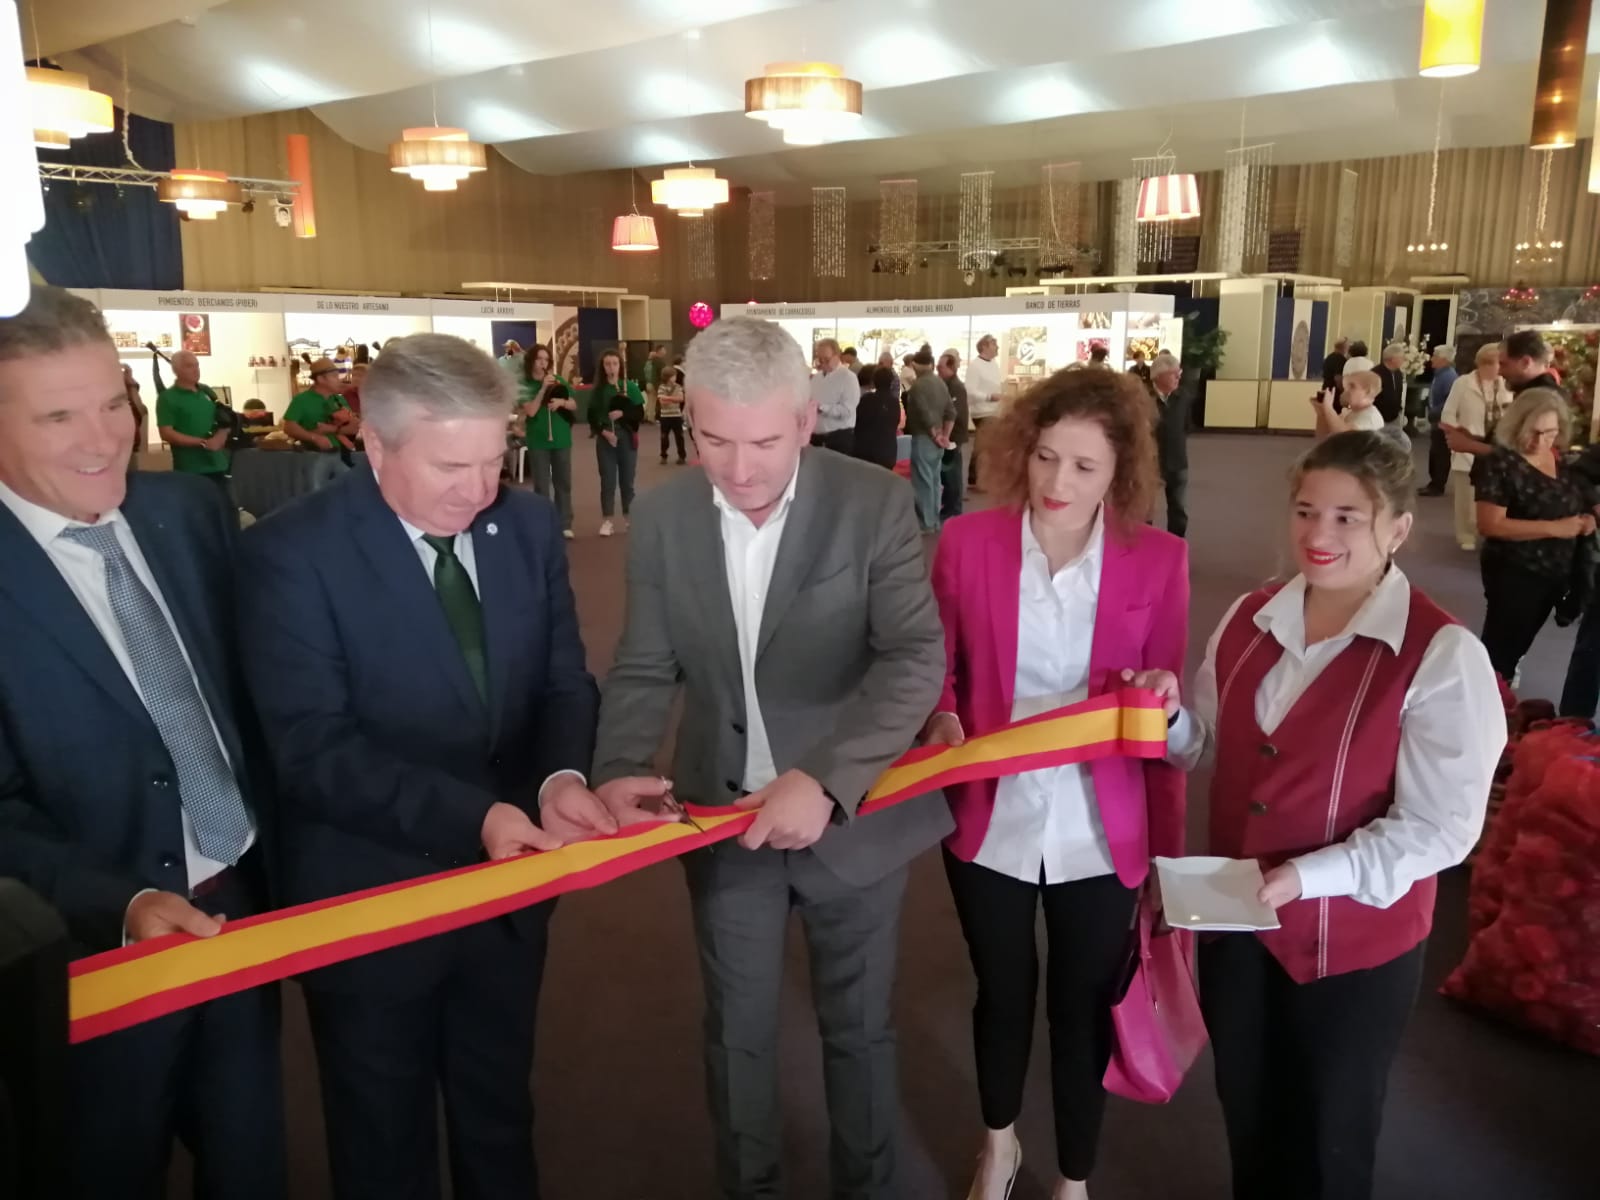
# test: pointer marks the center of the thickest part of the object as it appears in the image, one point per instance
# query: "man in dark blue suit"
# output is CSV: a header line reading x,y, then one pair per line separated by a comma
x,y
415,655
129,794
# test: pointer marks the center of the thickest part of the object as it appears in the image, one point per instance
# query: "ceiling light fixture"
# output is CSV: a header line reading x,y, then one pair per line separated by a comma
x,y
690,190
437,156
199,195
808,102
64,106
631,232
1168,198
1452,38
1561,55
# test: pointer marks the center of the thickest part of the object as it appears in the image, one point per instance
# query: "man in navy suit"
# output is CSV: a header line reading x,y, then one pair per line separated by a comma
x,y
415,655
129,794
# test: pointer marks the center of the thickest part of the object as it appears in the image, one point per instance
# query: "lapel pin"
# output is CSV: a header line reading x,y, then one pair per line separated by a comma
x,y
491,529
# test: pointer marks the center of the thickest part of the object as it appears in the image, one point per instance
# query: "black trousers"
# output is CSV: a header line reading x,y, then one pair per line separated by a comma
x,y
1302,1068
1580,695
1087,926
386,1059
673,426
1438,461
952,484
1177,485
1517,603
208,1075
842,440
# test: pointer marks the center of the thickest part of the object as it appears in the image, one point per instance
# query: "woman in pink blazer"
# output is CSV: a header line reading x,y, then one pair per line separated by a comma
x,y
1046,601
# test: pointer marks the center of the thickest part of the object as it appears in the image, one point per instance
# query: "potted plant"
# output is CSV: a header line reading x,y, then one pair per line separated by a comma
x,y
1202,358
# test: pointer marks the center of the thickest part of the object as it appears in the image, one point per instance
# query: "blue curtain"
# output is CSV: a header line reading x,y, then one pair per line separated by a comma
x,y
96,235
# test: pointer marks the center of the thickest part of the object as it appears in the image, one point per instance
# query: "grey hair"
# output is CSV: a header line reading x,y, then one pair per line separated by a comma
x,y
54,320
1527,408
1165,361
1394,348
1445,351
990,338
745,360
830,343
432,376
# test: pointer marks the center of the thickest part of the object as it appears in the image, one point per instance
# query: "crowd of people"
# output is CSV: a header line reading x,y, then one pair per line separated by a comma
x,y
387,679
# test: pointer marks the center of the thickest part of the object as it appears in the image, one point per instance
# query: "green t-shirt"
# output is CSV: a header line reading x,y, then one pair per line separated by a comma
x,y
547,429
310,409
195,414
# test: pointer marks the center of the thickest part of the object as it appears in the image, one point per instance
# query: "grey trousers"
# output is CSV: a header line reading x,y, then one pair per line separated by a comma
x,y
552,472
741,901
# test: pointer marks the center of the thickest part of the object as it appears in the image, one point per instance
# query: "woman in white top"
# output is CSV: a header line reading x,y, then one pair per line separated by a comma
x,y
984,385
1356,728
1474,405
1360,394
1046,599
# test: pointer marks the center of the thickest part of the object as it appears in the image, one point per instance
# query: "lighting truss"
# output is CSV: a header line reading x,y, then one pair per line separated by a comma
x,y
129,177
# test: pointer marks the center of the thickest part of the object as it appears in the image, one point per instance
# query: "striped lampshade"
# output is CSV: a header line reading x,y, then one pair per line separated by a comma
x,y
634,233
1168,198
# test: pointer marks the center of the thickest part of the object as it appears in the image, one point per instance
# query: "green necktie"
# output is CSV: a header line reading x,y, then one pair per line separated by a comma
x,y
461,608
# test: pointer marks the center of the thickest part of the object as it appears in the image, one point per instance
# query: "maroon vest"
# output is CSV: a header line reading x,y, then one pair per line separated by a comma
x,y
1326,771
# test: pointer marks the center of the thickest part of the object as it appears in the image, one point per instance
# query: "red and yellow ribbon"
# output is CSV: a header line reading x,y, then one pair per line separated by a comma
x,y
123,987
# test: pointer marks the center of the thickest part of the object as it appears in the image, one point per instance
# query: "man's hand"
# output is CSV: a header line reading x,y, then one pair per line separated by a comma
x,y
217,440
508,831
1281,885
616,414
943,729
1462,442
157,913
793,812
1162,683
609,435
623,799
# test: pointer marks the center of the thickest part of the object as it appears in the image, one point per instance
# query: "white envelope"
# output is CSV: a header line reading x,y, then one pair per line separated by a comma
x,y
1213,894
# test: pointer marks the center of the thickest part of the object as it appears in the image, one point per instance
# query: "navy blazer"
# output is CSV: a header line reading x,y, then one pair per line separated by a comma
x,y
388,759
89,807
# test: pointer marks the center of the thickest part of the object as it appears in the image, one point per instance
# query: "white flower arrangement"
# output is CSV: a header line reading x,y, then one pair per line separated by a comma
x,y
1416,360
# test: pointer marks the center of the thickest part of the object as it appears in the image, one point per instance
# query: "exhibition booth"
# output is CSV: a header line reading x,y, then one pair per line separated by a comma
x,y
1037,334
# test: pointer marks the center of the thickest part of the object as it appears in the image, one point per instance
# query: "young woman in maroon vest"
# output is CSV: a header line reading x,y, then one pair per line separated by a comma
x,y
1356,727
1046,599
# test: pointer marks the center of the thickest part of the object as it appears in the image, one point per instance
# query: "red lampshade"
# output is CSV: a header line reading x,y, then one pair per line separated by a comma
x,y
634,233
1168,198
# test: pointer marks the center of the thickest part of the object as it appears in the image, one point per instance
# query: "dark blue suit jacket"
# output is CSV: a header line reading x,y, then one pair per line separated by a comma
x,y
89,807
388,758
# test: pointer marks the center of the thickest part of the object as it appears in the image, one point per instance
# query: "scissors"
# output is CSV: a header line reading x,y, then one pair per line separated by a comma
x,y
668,803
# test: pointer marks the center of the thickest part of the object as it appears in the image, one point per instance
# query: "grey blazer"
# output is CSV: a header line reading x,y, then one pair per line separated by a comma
x,y
850,656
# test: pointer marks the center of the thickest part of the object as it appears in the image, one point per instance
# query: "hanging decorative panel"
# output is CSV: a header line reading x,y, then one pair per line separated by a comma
x,y
1125,247
975,246
1246,207
897,224
1059,249
828,210
1344,236
763,247
702,246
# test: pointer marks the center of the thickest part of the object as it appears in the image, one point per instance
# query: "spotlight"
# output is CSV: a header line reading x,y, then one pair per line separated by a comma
x,y
249,206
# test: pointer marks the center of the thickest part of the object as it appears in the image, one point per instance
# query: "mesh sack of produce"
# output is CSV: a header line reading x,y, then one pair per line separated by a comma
x,y
1537,964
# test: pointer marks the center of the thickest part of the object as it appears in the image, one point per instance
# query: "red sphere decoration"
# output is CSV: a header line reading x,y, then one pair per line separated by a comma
x,y
700,314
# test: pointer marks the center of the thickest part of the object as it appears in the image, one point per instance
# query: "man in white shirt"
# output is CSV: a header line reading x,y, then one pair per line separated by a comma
x,y
984,386
422,683
131,793
805,639
836,392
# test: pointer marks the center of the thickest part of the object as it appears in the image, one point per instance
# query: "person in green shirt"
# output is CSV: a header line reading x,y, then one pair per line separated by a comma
x,y
615,412
548,411
310,415
187,420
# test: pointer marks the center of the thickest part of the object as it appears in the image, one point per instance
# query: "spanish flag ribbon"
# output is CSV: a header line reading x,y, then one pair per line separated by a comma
x,y
136,983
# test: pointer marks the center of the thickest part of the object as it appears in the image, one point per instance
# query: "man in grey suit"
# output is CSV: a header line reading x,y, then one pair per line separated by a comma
x,y
784,591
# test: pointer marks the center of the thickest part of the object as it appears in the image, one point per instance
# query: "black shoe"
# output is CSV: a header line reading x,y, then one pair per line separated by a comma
x,y
1428,491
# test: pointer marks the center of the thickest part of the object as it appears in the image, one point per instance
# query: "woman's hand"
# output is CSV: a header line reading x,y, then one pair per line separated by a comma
x,y
1281,885
943,729
1572,527
609,435
1162,683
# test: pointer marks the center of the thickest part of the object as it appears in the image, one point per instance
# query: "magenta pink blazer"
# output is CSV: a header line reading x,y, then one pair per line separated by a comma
x,y
1142,622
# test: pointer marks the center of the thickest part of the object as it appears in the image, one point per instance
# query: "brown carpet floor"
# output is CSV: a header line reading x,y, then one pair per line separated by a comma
x,y
1476,1111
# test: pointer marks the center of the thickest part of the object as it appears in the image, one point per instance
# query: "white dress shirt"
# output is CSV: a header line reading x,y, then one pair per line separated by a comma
x,y
1047,821
749,552
85,574
984,386
1452,730
838,395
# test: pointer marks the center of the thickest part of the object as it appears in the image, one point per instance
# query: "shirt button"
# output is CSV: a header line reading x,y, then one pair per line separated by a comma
x,y
1268,750
1257,808
738,727
168,862
160,781
730,785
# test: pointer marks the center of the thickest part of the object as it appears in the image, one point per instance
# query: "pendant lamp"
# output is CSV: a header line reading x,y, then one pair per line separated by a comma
x,y
64,106
1168,198
437,156
690,190
635,234
199,195
1452,37
809,102
1561,53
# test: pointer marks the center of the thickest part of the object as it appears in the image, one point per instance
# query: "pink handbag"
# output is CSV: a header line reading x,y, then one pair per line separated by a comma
x,y
1157,1027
